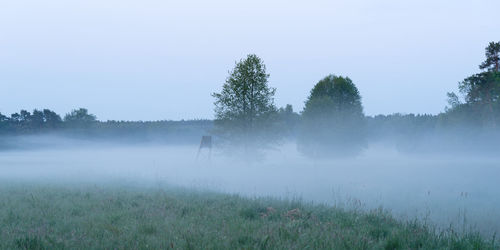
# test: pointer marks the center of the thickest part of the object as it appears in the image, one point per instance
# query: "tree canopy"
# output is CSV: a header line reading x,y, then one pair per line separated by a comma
x,y
244,109
492,57
332,96
332,119
28,122
480,92
80,118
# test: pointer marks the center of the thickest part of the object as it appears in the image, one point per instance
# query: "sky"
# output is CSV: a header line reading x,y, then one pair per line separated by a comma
x,y
157,60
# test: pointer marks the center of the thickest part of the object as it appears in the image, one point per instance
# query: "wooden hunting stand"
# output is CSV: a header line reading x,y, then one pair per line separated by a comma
x,y
206,142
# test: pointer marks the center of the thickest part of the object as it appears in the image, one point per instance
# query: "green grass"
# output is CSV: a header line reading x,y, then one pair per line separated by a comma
x,y
92,217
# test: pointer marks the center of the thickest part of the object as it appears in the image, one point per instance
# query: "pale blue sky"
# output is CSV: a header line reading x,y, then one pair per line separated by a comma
x,y
153,60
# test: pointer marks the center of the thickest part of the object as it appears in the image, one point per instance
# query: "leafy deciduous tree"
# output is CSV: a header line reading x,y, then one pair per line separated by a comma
x,y
51,119
80,118
244,109
332,119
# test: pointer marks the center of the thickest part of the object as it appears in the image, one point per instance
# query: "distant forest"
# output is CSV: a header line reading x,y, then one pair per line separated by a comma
x,y
80,124
405,130
333,112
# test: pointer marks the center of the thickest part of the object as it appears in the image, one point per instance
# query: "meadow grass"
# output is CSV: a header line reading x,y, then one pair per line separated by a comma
x,y
43,216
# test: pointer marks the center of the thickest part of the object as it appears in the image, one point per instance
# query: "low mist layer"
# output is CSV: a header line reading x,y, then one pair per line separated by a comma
x,y
461,191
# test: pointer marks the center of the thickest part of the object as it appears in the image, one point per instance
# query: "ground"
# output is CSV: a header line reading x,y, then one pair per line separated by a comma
x,y
51,216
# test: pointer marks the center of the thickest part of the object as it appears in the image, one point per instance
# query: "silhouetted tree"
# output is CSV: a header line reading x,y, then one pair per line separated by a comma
x,y
492,57
4,123
79,118
52,119
37,120
25,120
24,116
288,120
481,92
244,109
332,119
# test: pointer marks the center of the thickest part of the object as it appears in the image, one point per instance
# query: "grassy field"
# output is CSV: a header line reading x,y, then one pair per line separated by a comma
x,y
41,216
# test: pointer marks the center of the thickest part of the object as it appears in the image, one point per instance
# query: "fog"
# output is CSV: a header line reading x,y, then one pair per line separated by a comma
x,y
447,190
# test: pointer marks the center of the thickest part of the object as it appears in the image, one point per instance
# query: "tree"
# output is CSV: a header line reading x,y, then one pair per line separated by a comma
x,y
492,57
288,120
37,120
25,120
51,119
481,91
244,109
25,116
332,119
79,118
4,122
3,118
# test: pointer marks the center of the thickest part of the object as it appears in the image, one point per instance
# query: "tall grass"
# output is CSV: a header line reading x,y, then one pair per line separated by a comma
x,y
98,217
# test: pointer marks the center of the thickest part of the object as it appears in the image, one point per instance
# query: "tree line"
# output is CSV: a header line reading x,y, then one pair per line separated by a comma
x,y
332,122
81,124
44,120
